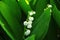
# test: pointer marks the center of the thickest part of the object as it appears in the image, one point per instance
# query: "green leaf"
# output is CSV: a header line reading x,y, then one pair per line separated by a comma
x,y
56,15
33,2
24,6
52,34
52,2
14,8
41,25
32,37
39,7
14,29
7,31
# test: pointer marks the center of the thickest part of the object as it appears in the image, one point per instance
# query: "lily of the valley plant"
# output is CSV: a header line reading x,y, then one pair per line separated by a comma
x,y
29,19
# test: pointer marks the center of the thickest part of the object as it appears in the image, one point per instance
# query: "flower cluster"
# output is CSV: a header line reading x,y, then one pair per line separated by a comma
x,y
28,23
49,6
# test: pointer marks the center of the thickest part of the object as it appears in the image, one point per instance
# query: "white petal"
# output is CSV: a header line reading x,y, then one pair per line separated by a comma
x,y
50,6
27,32
31,18
30,13
29,22
25,23
34,12
29,26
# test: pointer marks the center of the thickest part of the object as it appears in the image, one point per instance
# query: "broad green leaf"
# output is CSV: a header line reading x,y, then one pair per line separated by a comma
x,y
6,27
14,8
52,34
15,29
33,2
39,7
32,37
24,6
3,34
52,2
56,15
41,25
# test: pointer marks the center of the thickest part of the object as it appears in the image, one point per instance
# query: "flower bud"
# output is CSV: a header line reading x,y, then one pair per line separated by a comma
x,y
31,18
29,26
25,23
50,6
27,32
34,12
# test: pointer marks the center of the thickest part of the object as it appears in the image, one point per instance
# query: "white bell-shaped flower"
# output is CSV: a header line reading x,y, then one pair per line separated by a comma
x,y
50,6
33,12
25,23
31,18
27,32
29,26
29,22
30,13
